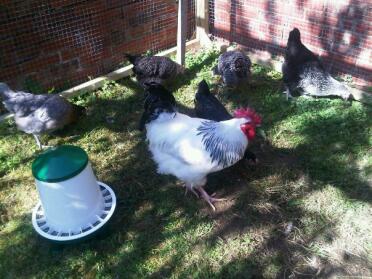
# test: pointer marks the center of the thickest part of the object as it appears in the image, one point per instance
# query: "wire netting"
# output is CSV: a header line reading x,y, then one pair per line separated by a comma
x,y
59,43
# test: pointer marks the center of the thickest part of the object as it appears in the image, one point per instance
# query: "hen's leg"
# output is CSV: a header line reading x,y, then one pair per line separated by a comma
x,y
287,91
39,143
209,199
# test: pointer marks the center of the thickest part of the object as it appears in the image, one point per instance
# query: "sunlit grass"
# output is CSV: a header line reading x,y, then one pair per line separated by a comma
x,y
313,177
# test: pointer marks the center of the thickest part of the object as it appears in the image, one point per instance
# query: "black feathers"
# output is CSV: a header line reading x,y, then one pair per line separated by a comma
x,y
157,100
207,106
303,70
150,70
132,58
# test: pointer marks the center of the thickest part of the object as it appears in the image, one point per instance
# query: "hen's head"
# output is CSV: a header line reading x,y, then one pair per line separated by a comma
x,y
253,120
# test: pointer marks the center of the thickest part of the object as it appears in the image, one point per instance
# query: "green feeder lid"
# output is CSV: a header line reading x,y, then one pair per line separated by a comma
x,y
59,163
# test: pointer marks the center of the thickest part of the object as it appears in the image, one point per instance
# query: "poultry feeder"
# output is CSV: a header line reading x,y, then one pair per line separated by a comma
x,y
73,204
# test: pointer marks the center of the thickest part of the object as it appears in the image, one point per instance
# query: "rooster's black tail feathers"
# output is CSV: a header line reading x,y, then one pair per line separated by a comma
x,y
157,100
203,89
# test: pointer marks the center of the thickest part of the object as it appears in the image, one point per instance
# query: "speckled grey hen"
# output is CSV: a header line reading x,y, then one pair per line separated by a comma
x,y
303,71
234,67
38,114
154,70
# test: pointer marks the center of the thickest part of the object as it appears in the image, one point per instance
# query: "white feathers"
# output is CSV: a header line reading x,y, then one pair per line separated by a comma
x,y
179,148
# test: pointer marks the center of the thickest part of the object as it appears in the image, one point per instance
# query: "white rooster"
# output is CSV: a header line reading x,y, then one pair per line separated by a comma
x,y
191,148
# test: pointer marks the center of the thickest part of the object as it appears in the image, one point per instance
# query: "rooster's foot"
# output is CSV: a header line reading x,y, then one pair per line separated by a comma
x,y
209,199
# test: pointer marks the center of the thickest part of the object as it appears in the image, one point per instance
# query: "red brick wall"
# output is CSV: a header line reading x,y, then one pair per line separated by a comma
x,y
60,43
339,31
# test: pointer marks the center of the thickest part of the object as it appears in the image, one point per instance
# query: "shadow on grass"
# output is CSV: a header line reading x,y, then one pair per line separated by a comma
x,y
158,232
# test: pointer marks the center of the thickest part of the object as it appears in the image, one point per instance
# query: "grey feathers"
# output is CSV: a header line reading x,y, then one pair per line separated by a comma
x,y
154,69
234,67
304,71
36,114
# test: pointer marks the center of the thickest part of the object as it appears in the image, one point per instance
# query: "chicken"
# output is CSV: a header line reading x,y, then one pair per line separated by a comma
x,y
209,107
303,70
191,148
157,94
234,67
38,114
154,69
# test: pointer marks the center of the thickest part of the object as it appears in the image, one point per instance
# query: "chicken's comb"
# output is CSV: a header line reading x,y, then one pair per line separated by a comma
x,y
250,113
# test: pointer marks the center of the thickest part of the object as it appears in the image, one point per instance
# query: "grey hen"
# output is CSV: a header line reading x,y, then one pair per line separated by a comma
x,y
38,114
303,70
153,70
234,67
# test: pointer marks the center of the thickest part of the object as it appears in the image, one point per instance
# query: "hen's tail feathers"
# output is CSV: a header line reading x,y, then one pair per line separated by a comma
x,y
203,89
294,36
5,91
132,58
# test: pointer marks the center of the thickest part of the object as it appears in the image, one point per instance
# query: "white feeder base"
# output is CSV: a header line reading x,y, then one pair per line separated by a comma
x,y
41,224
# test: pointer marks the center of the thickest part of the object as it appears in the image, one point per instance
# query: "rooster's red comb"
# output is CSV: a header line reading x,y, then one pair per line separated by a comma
x,y
248,113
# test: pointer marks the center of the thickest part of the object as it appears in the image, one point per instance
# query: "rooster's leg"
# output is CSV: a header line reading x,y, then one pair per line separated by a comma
x,y
209,199
191,189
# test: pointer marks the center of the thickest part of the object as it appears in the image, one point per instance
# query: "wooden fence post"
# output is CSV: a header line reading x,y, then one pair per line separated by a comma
x,y
181,31
202,22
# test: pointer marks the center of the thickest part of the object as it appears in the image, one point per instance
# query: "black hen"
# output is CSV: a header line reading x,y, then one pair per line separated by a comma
x,y
234,67
209,107
303,70
151,70
38,114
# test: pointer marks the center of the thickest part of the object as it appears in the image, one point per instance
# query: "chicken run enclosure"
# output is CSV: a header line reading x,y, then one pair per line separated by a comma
x,y
59,44
301,209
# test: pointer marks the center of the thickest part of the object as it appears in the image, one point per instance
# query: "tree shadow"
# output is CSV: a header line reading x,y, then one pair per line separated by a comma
x,y
342,35
343,41
153,217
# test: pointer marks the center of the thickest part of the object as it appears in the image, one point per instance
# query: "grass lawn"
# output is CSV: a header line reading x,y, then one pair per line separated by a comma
x,y
303,211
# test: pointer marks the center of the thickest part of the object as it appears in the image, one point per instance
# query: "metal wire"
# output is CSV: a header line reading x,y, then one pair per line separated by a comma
x,y
59,43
